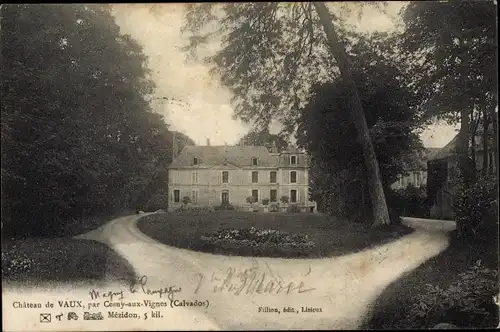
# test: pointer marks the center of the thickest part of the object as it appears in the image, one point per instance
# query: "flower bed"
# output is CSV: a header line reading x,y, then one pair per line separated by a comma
x,y
258,242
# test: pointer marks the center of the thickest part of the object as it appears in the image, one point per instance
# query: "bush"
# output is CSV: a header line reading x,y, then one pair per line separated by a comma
x,y
476,210
294,208
274,207
195,209
284,199
467,302
224,206
408,202
157,201
15,263
186,200
253,237
265,201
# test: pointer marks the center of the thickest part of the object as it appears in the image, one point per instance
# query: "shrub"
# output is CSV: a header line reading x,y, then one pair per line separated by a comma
x,y
186,200
467,302
409,202
195,209
273,207
476,210
294,208
265,201
258,237
157,201
15,263
224,206
284,199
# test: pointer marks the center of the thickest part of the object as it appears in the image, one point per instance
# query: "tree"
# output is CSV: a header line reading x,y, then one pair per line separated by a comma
x,y
390,108
453,48
186,200
79,136
264,138
250,200
272,53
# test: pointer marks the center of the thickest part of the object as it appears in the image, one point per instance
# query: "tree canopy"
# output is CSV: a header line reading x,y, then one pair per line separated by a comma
x,y
391,111
265,138
78,133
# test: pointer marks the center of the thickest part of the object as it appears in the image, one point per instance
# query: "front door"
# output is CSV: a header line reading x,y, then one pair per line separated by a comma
x,y
225,197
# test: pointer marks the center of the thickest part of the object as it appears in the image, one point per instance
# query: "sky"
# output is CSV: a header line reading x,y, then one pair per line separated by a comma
x,y
206,111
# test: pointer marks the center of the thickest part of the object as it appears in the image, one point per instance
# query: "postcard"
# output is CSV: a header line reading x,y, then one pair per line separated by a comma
x,y
249,166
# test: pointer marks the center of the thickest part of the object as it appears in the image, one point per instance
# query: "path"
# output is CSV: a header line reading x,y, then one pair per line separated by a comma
x,y
344,287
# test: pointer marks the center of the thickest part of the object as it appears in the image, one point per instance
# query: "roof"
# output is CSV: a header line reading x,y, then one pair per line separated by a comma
x,y
239,156
418,160
447,151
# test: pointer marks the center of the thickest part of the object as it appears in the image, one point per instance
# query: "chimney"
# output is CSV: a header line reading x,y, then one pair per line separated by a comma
x,y
208,141
174,145
274,148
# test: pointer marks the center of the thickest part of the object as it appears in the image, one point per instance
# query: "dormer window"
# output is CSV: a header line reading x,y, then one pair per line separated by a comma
x,y
195,161
254,161
293,160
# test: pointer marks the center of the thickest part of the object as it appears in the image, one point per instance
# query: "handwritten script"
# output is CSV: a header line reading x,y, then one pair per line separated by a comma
x,y
138,285
252,281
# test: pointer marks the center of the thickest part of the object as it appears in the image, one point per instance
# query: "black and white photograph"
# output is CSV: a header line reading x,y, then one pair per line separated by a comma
x,y
249,166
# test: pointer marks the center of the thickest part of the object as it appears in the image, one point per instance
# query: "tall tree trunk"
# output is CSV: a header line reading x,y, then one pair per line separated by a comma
x,y
486,124
494,123
379,205
463,146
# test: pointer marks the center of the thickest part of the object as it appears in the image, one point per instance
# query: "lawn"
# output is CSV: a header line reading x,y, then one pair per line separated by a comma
x,y
60,258
392,308
331,236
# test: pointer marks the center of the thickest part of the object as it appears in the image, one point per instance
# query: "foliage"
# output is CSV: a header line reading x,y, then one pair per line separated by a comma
x,y
339,179
14,263
274,207
265,201
409,202
293,208
250,200
467,302
186,200
476,210
284,199
78,134
271,56
452,48
265,138
196,210
258,237
224,206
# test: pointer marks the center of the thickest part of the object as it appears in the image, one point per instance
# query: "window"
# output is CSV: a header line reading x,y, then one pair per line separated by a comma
x,y
293,196
293,177
293,160
254,161
273,195
255,177
273,177
225,177
225,197
194,177
194,196
418,178
195,161
177,196
255,194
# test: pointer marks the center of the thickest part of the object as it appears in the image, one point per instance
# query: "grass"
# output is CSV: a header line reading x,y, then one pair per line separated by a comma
x,y
62,259
391,309
332,236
